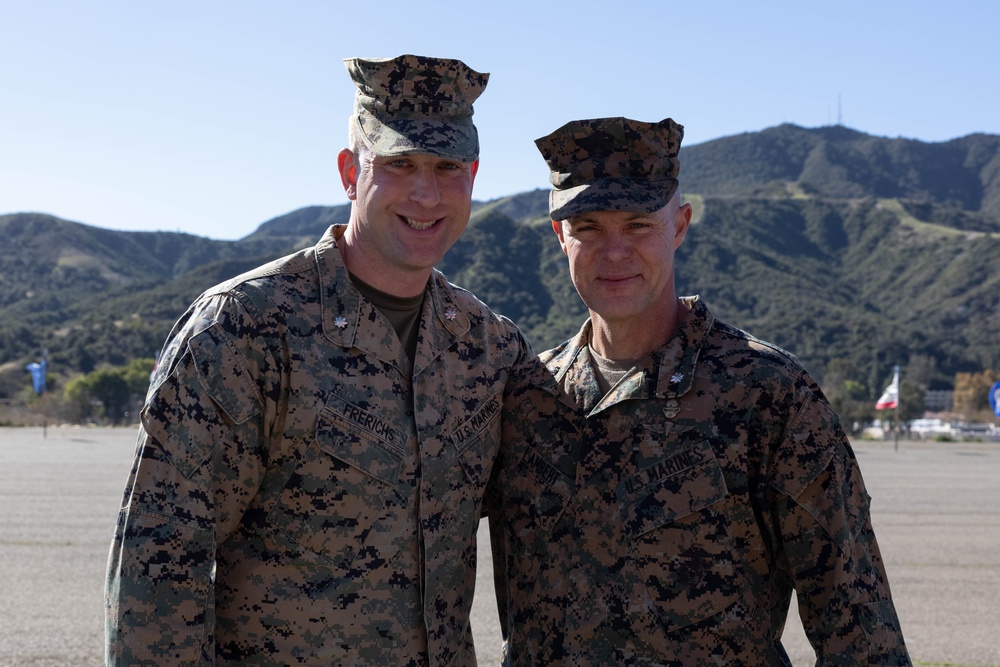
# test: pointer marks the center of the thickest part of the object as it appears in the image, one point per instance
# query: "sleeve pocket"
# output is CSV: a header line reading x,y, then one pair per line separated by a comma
x,y
224,375
838,501
208,392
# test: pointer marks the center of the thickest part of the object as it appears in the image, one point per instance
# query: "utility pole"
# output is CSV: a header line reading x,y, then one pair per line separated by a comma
x,y
895,381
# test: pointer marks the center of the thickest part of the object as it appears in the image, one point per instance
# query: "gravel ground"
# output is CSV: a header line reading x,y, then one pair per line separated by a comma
x,y
936,511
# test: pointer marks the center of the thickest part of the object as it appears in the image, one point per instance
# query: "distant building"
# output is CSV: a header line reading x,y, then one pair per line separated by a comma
x,y
938,400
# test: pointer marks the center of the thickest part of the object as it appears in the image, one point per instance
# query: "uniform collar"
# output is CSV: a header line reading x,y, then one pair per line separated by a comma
x,y
350,320
673,367
678,358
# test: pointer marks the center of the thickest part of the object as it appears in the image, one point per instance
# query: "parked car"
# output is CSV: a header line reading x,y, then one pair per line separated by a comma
x,y
985,432
930,428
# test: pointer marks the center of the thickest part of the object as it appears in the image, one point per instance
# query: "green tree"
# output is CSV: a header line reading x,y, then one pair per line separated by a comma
x,y
110,389
136,374
971,397
848,396
850,400
107,393
911,400
76,399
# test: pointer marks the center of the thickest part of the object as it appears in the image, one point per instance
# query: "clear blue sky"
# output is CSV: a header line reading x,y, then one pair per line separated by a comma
x,y
213,117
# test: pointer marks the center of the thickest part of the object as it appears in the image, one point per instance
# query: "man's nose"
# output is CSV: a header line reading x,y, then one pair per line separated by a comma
x,y
424,188
616,246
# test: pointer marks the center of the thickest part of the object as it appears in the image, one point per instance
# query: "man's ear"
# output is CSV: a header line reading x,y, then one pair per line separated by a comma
x,y
475,168
681,223
347,165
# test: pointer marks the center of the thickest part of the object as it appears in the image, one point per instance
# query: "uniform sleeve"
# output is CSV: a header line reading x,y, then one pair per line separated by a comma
x,y
826,542
527,363
498,553
196,467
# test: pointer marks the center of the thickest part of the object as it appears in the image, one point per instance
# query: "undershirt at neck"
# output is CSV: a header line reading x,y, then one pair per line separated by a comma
x,y
609,371
403,312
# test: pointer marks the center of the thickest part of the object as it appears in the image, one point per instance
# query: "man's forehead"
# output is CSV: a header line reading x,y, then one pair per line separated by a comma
x,y
418,158
415,157
613,216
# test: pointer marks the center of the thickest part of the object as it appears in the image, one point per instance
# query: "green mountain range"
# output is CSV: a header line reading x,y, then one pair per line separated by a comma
x,y
854,252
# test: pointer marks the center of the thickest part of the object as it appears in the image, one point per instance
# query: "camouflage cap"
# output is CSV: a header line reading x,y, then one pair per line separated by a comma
x,y
609,164
416,104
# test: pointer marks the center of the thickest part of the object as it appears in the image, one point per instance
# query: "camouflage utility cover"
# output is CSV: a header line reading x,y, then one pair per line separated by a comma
x,y
417,104
668,522
611,164
297,498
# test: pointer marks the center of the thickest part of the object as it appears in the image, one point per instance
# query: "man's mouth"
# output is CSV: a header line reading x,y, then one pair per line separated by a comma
x,y
420,224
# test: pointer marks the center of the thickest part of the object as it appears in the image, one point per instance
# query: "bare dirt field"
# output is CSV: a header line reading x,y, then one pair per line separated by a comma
x,y
935,507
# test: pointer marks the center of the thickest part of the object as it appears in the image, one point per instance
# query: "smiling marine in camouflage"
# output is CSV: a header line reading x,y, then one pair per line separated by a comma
x,y
308,480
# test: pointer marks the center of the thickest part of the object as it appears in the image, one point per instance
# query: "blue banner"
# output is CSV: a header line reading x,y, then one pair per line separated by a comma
x,y
37,371
995,398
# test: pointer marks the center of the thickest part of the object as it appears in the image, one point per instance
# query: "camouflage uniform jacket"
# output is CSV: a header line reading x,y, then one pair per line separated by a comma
x,y
297,497
668,522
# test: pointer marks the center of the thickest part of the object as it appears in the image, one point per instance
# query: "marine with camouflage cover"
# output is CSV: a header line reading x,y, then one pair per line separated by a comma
x,y
317,437
667,481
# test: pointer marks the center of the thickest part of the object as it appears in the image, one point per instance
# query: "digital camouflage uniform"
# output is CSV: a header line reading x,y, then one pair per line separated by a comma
x,y
299,496
668,522
296,497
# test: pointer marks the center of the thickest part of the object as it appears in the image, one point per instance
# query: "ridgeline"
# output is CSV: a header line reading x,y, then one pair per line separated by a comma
x,y
851,251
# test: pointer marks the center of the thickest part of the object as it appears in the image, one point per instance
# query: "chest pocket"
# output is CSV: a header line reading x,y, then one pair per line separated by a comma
x,y
478,439
677,521
344,481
